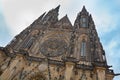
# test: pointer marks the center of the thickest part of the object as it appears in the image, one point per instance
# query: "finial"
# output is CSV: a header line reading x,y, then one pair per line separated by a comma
x,y
66,15
90,17
84,9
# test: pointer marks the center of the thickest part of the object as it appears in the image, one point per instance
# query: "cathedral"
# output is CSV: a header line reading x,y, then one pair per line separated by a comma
x,y
54,49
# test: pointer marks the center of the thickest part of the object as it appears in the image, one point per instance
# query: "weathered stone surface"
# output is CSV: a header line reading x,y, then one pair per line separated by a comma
x,y
52,49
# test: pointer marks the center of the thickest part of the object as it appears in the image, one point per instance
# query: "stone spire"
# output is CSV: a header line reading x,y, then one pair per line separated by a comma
x,y
84,11
51,16
57,8
85,25
82,18
91,19
91,22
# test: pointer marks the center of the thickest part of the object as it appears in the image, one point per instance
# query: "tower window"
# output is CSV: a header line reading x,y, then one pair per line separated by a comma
x,y
83,48
83,22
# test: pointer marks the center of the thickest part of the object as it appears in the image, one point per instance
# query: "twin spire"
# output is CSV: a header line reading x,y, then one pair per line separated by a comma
x,y
52,18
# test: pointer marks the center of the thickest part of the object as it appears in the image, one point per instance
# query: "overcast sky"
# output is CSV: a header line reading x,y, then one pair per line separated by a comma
x,y
16,15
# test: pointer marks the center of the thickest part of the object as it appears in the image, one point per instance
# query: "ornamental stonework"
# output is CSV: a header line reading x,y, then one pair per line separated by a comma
x,y
53,49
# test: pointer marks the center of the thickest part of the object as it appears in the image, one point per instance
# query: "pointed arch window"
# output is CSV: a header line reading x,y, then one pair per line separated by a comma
x,y
83,48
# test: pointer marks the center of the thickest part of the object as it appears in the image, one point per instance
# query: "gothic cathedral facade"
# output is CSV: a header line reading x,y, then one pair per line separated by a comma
x,y
53,49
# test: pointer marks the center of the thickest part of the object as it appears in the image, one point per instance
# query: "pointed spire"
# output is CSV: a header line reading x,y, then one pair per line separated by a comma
x,y
91,22
79,20
57,8
52,15
84,9
91,19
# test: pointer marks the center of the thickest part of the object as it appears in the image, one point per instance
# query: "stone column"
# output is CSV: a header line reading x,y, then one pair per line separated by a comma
x,y
100,73
69,70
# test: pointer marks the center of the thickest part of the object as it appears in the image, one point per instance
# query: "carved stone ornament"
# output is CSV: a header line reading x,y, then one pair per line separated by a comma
x,y
53,47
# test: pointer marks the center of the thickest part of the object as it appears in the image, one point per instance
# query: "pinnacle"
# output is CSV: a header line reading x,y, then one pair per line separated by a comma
x,y
57,8
84,9
90,17
83,12
52,15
